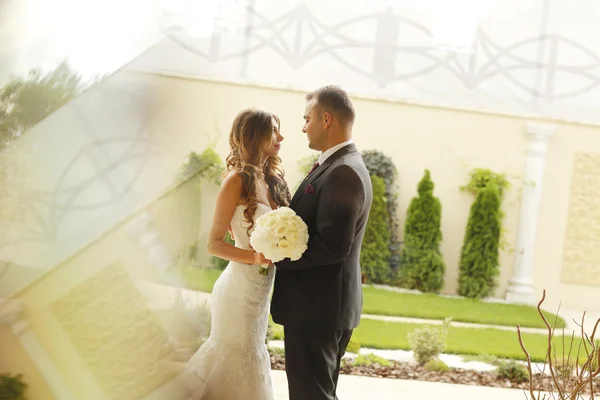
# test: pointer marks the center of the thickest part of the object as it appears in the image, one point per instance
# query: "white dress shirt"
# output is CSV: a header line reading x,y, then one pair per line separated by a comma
x,y
327,153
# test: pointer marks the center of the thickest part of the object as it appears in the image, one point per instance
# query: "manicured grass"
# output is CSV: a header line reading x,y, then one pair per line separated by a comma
x,y
392,335
495,342
429,306
276,329
198,278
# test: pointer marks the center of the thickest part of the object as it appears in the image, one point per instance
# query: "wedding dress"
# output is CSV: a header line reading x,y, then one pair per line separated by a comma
x,y
234,364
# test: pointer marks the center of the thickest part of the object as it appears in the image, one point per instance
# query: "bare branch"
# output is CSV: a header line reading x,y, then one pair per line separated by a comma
x,y
594,330
562,383
578,353
528,361
592,375
549,353
587,353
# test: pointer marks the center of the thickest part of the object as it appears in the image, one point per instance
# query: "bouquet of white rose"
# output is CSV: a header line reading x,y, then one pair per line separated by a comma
x,y
279,234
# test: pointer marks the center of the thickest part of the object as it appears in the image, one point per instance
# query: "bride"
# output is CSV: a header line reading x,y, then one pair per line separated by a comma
x,y
234,364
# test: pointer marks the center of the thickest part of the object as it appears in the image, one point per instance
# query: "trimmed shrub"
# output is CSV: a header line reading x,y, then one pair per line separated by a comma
x,y
479,259
375,253
422,262
482,178
381,165
435,365
513,371
428,342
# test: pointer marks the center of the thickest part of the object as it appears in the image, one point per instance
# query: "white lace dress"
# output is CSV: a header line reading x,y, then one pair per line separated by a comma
x,y
234,364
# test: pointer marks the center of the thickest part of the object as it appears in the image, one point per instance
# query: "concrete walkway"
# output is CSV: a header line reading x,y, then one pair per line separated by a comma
x,y
361,388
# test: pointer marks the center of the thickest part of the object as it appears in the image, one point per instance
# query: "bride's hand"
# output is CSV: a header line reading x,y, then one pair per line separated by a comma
x,y
259,258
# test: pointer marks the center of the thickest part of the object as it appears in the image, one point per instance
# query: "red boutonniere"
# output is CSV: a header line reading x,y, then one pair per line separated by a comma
x,y
309,189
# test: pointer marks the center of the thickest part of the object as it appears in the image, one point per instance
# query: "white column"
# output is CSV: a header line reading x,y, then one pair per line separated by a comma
x,y
11,313
520,289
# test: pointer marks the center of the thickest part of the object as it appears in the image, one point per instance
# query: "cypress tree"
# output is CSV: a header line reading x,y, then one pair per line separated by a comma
x,y
422,262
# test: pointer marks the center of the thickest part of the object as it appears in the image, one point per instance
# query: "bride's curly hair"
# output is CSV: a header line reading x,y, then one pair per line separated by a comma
x,y
250,137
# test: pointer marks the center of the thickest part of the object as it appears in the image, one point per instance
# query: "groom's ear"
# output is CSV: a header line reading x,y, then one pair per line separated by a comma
x,y
327,119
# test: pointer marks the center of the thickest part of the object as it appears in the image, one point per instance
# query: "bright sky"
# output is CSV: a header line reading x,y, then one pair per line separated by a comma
x,y
99,36
96,36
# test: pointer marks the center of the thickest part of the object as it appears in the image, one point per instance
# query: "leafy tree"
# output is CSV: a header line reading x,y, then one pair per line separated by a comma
x,y
422,262
24,102
208,166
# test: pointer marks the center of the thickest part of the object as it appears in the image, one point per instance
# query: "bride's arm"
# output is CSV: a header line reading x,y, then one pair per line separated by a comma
x,y
227,202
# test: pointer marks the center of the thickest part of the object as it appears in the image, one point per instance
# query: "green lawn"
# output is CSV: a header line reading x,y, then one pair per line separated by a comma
x,y
392,335
500,343
429,306
198,278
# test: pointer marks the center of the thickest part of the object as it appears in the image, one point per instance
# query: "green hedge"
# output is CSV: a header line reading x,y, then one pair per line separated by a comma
x,y
479,259
375,252
422,262
382,166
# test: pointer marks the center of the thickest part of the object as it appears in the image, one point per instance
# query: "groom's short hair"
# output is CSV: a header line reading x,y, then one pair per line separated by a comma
x,y
334,100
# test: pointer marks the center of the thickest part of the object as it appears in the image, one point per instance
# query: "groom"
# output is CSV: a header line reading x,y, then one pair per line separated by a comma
x,y
318,298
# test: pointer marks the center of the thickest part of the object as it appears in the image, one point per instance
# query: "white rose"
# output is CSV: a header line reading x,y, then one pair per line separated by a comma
x,y
284,244
280,230
292,237
271,222
286,211
280,234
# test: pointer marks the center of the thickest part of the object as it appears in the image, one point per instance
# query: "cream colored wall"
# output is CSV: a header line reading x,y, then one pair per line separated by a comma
x,y
560,201
443,141
14,360
446,141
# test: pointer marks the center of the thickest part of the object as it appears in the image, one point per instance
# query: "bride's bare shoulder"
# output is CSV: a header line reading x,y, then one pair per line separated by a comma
x,y
232,185
232,178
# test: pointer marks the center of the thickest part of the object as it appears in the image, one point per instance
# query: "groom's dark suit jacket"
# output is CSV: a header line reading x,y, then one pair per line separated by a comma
x,y
323,288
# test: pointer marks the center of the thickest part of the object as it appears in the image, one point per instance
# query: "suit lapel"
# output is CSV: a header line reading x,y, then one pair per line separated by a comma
x,y
351,148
